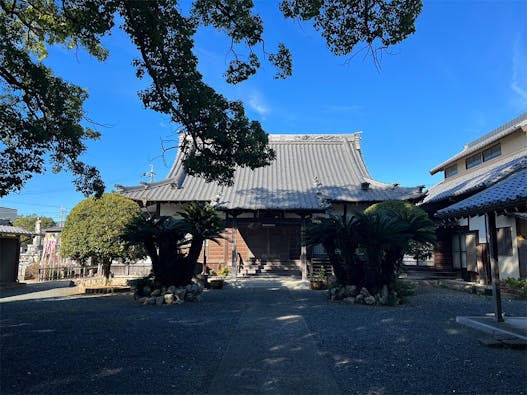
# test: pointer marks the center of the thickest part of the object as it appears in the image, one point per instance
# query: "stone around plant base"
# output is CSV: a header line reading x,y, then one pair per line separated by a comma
x,y
352,290
141,300
359,298
171,289
156,292
369,300
364,292
160,300
179,293
349,299
169,298
179,301
146,290
151,300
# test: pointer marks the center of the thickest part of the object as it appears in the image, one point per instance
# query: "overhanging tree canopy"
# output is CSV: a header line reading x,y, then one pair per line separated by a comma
x,y
42,116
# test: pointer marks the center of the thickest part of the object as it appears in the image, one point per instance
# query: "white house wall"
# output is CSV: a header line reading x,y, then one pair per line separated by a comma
x,y
509,266
478,224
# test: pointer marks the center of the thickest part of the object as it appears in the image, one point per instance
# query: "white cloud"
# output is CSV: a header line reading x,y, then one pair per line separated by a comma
x,y
519,72
257,103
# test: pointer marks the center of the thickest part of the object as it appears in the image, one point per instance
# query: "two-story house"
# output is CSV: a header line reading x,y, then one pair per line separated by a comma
x,y
483,197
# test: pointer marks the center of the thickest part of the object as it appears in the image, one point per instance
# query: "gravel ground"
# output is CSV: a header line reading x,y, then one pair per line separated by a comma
x,y
415,348
107,344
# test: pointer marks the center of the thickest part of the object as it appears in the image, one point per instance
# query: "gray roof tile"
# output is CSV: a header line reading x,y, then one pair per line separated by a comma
x,y
507,192
477,179
13,230
288,183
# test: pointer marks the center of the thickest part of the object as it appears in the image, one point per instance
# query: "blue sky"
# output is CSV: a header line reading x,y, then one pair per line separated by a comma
x,y
462,74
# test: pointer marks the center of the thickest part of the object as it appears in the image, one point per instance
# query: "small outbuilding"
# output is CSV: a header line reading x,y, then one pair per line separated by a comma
x,y
10,251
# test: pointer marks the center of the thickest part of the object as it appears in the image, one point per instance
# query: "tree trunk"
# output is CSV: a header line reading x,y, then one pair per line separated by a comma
x,y
106,266
151,251
191,260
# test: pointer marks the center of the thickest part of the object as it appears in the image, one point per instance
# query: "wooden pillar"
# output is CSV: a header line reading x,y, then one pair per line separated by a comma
x,y
234,251
205,248
495,270
303,250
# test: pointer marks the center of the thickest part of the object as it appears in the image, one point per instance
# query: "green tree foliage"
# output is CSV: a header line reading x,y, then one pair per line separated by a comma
x,y
367,249
28,222
42,116
166,240
94,229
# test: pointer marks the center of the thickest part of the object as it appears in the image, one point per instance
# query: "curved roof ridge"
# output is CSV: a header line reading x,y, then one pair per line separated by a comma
x,y
306,137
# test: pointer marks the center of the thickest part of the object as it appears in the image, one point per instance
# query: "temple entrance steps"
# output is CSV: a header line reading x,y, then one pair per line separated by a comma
x,y
428,273
272,268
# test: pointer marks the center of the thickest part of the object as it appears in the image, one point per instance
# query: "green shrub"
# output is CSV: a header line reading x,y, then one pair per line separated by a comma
x,y
404,288
518,284
224,271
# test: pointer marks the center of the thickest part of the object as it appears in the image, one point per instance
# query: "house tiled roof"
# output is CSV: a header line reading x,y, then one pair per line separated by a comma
x,y
510,191
288,182
13,230
484,141
478,179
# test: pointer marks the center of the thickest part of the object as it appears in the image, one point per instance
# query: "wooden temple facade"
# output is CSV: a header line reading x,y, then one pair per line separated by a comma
x,y
266,209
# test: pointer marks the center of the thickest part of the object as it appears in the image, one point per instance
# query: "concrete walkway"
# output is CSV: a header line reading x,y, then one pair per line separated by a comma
x,y
38,290
512,328
272,351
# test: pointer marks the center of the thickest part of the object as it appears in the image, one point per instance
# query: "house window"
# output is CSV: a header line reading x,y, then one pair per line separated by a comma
x,y
485,155
459,251
473,160
492,152
504,241
451,171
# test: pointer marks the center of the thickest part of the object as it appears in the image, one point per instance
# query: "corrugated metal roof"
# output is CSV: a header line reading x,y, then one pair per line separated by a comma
x,y
510,191
477,179
484,141
288,183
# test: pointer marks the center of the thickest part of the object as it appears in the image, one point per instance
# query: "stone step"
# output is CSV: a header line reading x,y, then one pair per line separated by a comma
x,y
279,268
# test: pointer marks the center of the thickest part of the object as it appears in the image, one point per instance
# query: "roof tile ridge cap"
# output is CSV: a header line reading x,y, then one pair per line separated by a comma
x,y
148,185
314,136
511,125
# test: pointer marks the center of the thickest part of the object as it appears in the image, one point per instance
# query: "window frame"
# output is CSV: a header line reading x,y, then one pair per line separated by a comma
x,y
478,160
493,154
449,169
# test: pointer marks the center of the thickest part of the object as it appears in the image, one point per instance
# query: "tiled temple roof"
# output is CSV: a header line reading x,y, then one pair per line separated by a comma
x,y
288,182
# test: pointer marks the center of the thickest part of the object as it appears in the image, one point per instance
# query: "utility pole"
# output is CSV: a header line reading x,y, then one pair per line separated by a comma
x,y
62,215
495,270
